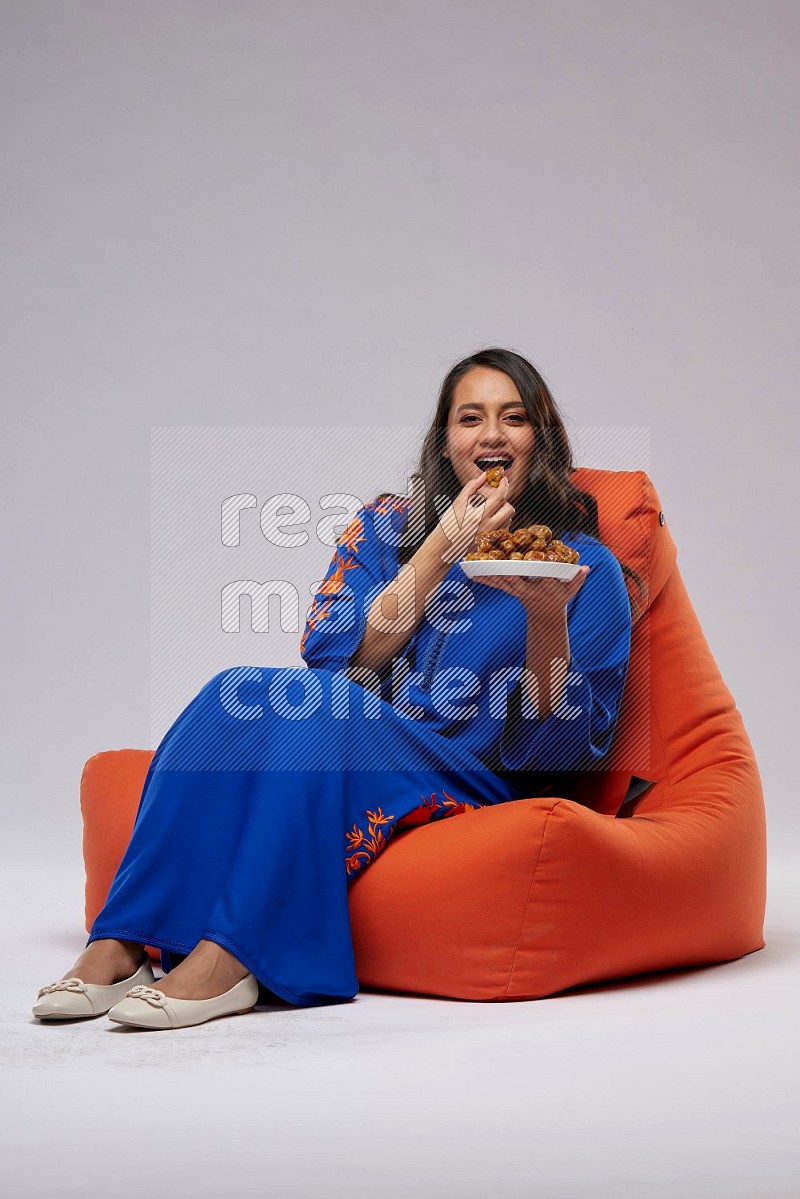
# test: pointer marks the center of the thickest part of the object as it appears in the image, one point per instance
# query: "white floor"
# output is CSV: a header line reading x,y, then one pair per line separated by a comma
x,y
681,1084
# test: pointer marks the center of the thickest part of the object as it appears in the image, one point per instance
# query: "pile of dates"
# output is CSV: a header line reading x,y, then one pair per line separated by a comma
x,y
532,544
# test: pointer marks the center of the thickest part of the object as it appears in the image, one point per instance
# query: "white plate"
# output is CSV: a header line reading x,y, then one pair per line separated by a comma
x,y
541,570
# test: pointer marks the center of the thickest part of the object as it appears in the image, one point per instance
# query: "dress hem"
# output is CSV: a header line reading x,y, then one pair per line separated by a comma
x,y
175,946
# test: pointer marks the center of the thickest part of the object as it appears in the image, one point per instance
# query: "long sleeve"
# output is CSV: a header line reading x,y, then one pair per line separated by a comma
x,y
363,563
579,733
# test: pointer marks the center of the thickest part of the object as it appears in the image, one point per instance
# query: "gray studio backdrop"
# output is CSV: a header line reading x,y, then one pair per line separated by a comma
x,y
295,218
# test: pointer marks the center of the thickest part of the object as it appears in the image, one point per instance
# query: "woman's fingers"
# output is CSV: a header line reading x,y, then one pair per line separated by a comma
x,y
497,511
473,485
502,512
574,585
498,494
461,521
485,507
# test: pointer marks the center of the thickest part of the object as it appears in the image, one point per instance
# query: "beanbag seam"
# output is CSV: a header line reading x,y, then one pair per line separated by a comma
x,y
662,743
524,919
645,531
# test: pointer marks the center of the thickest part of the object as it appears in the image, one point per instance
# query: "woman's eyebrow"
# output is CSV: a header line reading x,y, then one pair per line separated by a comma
x,y
480,404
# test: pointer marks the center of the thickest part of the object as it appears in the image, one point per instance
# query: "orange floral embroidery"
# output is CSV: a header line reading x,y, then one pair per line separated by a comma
x,y
321,609
391,501
365,847
351,539
353,535
318,612
429,808
335,581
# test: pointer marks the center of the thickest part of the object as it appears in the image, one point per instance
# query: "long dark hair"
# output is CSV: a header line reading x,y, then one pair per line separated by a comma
x,y
550,498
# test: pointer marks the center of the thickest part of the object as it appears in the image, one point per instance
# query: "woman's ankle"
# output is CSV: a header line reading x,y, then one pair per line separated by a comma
x,y
109,961
113,947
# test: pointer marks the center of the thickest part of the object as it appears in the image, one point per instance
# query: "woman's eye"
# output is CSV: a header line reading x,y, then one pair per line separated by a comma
x,y
517,417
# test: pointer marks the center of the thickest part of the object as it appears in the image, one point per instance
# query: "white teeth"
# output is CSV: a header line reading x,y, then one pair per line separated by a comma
x,y
499,461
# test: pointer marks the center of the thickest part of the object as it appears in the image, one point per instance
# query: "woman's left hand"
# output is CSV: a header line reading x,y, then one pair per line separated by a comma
x,y
542,598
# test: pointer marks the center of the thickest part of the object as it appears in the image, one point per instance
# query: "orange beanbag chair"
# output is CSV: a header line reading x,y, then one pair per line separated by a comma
x,y
528,898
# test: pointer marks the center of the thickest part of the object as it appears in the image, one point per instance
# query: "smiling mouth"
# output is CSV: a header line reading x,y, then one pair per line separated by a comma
x,y
488,462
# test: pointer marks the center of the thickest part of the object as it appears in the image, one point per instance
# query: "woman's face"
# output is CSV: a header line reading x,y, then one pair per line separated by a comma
x,y
488,423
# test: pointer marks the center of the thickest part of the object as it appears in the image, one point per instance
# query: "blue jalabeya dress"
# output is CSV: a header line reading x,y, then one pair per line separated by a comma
x,y
276,786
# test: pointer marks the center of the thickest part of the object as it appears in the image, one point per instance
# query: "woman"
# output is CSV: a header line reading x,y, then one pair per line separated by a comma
x,y
425,695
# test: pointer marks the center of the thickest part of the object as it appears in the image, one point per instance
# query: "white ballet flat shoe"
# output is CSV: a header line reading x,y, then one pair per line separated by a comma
x,y
73,999
147,1007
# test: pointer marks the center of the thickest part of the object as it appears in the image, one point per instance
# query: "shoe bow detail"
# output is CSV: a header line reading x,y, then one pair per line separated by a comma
x,y
153,997
64,984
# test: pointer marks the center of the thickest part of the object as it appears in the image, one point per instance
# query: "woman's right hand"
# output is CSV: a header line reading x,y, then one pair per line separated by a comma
x,y
477,508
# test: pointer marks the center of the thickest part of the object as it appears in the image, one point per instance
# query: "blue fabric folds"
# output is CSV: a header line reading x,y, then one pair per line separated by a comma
x,y
249,831
276,787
